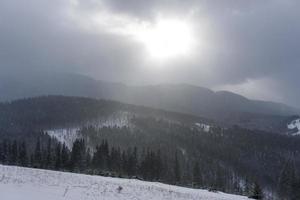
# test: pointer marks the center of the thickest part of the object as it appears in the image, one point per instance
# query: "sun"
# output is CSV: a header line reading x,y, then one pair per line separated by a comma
x,y
167,39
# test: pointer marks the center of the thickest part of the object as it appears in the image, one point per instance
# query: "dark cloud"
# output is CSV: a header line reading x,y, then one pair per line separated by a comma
x,y
246,40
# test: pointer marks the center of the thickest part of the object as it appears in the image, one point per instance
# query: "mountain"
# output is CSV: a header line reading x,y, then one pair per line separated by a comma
x,y
60,111
262,156
225,107
19,183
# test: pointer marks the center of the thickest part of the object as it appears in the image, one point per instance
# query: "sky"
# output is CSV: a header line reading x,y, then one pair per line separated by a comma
x,y
248,47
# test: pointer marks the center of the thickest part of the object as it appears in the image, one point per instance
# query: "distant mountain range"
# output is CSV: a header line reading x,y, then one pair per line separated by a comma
x,y
225,107
193,123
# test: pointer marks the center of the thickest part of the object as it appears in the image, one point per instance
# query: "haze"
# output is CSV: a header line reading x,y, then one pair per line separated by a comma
x,y
248,47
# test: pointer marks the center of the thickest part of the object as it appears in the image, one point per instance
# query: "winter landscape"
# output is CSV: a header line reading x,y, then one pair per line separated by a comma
x,y
149,100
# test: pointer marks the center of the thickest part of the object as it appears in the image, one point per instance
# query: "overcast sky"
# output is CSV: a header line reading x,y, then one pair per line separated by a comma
x,y
249,47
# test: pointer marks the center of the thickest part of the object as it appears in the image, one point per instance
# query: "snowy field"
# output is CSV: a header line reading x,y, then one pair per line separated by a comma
x,y
17,183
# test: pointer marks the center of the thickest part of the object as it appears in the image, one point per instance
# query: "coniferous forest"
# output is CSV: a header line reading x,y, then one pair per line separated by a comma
x,y
155,147
109,161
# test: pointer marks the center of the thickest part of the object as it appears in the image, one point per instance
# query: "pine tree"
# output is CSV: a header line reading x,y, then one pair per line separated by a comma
x,y
247,187
23,158
151,166
114,159
116,162
287,179
158,166
1,153
49,159
101,156
44,159
132,162
296,190
65,157
197,179
5,152
220,180
75,156
31,161
105,153
88,157
58,157
14,153
177,173
256,192
38,154
124,161
78,156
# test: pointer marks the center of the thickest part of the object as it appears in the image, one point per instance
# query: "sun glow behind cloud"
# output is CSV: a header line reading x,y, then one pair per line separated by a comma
x,y
167,38
163,39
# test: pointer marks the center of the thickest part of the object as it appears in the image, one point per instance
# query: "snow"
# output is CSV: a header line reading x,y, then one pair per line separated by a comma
x,y
69,134
18,183
118,119
294,124
204,127
65,135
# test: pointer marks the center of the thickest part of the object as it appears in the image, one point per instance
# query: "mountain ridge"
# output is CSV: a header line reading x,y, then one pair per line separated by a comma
x,y
221,106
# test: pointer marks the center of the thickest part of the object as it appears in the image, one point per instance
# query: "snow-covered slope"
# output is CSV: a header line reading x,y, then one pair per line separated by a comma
x,y
68,135
203,127
17,183
295,124
65,135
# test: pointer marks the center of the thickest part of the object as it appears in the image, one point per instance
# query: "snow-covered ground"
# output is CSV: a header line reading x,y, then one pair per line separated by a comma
x,y
17,183
294,124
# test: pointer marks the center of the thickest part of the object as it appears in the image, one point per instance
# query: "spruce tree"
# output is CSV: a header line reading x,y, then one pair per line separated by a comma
x,y
287,179
37,162
49,159
124,161
88,158
197,179
256,192
296,190
5,152
158,165
14,153
132,162
65,157
23,158
78,156
177,172
1,153
75,156
58,157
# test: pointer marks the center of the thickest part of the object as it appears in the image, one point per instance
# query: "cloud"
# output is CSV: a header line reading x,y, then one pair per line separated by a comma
x,y
239,44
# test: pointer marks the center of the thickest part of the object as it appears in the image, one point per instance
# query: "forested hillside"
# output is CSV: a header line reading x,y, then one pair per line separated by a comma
x,y
223,106
146,143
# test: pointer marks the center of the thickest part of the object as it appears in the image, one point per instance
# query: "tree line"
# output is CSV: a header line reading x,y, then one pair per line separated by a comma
x,y
105,160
